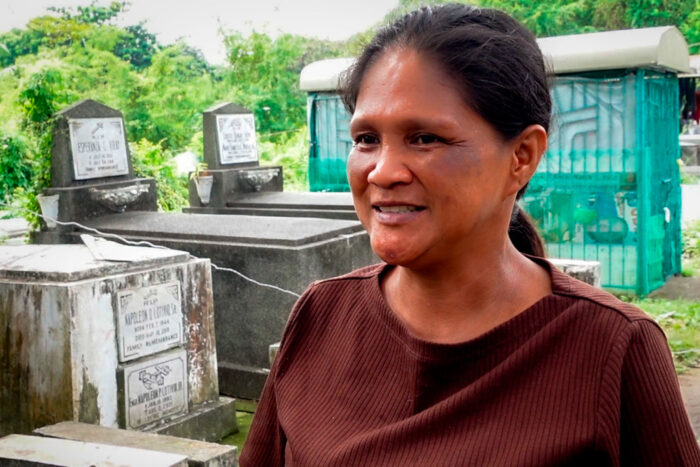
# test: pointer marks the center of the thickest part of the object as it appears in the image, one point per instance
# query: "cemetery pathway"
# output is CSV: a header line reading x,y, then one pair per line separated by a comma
x,y
690,387
686,288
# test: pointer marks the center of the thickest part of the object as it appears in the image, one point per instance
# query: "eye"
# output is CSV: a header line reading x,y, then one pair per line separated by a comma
x,y
365,139
426,138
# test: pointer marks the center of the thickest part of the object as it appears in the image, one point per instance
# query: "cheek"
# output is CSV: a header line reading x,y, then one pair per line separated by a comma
x,y
358,168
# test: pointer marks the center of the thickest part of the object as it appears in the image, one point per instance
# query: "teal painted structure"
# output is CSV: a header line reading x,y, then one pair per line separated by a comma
x,y
608,188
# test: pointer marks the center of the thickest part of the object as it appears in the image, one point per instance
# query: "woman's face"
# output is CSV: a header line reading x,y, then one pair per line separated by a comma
x,y
431,179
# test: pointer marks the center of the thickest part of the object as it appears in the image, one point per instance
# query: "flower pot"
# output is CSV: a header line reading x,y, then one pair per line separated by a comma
x,y
49,209
204,184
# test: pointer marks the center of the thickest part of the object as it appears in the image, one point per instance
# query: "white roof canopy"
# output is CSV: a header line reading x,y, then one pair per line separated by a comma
x,y
661,47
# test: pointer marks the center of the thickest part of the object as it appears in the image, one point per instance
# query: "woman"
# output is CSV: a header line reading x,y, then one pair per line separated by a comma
x,y
460,349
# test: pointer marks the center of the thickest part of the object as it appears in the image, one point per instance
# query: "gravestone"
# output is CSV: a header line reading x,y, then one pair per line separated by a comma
x,y
231,155
91,169
241,186
108,334
288,252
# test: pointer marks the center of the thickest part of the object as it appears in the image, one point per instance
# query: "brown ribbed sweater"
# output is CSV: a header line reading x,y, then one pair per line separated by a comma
x,y
579,378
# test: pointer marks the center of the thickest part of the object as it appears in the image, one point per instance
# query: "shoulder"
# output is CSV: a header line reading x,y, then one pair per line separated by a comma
x,y
595,300
353,281
338,293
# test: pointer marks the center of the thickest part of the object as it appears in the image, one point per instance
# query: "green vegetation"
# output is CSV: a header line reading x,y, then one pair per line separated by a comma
x,y
680,320
75,53
691,249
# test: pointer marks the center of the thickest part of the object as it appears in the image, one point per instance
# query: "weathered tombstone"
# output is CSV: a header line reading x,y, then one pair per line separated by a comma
x,y
231,155
91,169
111,335
288,252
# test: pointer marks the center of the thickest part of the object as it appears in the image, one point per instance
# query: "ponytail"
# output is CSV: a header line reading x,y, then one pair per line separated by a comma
x,y
523,234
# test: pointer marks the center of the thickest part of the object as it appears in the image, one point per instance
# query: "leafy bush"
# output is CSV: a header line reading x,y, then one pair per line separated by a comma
x,y
680,320
152,160
15,167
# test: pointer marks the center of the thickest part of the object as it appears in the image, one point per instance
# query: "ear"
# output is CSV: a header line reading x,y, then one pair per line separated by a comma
x,y
527,150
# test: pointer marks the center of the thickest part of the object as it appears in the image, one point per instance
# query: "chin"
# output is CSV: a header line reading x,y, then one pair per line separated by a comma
x,y
395,256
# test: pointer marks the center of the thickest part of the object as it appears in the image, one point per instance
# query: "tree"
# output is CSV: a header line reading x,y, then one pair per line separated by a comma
x,y
137,46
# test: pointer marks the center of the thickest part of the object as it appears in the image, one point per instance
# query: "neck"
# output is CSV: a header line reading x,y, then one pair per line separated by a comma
x,y
466,296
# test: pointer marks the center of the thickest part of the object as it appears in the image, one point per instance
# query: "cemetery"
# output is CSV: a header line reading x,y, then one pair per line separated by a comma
x,y
129,334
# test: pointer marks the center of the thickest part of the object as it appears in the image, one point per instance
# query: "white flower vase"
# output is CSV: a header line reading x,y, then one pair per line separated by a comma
x,y
49,209
204,185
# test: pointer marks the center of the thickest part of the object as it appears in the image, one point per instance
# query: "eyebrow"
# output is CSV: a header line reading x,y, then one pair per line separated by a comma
x,y
410,123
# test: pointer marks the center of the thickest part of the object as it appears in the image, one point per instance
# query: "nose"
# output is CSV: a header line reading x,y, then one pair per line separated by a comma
x,y
390,168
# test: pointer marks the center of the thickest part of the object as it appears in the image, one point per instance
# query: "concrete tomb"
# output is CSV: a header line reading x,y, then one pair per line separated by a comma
x,y
241,186
111,335
288,252
231,156
91,169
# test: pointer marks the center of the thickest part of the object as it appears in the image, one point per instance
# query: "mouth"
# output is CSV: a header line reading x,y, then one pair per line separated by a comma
x,y
398,209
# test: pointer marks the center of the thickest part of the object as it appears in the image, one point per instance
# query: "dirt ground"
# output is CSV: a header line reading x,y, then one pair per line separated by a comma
x,y
690,388
687,288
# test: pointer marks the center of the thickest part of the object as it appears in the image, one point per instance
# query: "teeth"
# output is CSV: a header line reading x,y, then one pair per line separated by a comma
x,y
397,209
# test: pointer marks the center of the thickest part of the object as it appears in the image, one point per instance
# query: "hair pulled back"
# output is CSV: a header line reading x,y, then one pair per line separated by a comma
x,y
495,63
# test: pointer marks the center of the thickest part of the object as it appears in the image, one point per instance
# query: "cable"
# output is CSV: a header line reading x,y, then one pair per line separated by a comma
x,y
149,244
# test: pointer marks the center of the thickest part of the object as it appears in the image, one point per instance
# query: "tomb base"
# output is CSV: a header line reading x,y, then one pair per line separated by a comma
x,y
210,422
229,184
286,204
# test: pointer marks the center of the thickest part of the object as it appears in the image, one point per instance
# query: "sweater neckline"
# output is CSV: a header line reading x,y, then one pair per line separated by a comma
x,y
518,327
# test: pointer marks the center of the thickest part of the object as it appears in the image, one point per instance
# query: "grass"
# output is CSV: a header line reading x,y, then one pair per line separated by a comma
x,y
244,417
680,320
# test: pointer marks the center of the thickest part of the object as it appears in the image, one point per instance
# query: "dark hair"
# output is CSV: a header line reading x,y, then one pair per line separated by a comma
x,y
496,64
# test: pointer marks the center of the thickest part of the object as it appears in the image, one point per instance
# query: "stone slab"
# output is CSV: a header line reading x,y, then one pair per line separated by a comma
x,y
208,422
264,231
69,263
243,380
64,161
13,227
275,212
290,204
153,389
288,200
586,271
22,450
198,453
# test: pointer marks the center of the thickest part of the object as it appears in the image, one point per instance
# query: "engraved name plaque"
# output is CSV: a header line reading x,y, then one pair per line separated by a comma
x,y
149,320
237,142
155,389
99,147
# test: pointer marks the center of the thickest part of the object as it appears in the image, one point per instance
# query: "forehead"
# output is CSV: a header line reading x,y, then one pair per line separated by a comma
x,y
404,82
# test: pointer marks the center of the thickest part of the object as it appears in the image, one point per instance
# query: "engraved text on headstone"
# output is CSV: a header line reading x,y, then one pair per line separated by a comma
x,y
98,146
149,320
237,141
155,389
